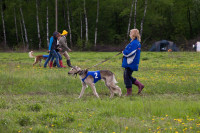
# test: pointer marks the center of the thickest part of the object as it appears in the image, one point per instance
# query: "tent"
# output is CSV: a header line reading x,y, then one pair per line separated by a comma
x,y
164,45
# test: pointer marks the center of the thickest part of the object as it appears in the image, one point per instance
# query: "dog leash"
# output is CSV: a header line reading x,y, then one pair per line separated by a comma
x,y
104,61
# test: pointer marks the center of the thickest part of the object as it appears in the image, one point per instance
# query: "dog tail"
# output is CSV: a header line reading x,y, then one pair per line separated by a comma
x,y
114,80
31,54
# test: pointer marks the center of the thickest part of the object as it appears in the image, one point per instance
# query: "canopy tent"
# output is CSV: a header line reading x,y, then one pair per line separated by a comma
x,y
164,45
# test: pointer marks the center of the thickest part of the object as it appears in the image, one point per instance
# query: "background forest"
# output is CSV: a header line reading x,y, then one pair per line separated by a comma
x,y
94,24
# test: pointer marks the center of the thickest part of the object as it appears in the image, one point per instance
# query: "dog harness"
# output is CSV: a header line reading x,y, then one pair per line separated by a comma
x,y
45,56
95,74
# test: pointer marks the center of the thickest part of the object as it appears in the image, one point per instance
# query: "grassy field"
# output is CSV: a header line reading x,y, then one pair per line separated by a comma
x,y
43,100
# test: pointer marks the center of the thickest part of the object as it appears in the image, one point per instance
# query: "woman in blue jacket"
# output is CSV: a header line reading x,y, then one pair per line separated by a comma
x,y
52,50
131,58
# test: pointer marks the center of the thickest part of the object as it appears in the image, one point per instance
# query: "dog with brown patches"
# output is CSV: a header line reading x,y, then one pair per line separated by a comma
x,y
38,58
91,77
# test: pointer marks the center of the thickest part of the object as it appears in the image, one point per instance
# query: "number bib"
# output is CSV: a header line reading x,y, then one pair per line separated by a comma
x,y
95,74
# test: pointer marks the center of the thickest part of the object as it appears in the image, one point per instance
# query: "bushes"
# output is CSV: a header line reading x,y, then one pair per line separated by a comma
x,y
25,120
36,107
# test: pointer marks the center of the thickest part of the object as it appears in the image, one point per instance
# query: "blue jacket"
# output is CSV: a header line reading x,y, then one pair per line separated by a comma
x,y
95,74
50,43
53,41
132,55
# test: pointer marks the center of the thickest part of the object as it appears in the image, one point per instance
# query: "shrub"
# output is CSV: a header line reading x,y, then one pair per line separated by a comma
x,y
24,120
3,105
36,107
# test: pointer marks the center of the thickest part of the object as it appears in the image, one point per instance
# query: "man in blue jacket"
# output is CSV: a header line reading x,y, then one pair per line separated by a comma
x,y
131,58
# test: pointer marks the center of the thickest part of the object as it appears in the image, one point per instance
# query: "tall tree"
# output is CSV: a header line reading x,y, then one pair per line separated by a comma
x,y
38,25
68,19
22,34
56,10
189,20
4,28
86,25
129,23
16,31
64,13
135,14
142,22
47,25
97,19
81,27
25,31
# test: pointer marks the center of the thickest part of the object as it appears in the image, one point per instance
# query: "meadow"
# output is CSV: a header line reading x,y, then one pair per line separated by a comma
x,y
43,100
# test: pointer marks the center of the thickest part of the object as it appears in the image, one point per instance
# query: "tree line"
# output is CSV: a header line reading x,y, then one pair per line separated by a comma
x,y
28,24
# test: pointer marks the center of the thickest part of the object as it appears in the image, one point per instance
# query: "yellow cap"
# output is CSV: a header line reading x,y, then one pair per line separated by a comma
x,y
64,32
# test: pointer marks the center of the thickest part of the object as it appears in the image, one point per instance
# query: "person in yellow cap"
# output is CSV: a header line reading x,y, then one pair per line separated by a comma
x,y
63,48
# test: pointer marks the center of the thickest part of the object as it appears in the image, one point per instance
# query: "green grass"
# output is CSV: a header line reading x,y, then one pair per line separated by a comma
x,y
34,99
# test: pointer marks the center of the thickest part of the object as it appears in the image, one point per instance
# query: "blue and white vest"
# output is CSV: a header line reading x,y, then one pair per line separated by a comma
x,y
95,74
45,56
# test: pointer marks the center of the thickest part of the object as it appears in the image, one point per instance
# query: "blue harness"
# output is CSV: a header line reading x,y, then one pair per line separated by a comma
x,y
95,74
45,56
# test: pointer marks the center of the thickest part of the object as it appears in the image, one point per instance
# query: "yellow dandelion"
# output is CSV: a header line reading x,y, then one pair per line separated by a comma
x,y
149,129
31,128
46,126
190,127
80,132
79,125
49,131
19,131
170,128
166,115
52,125
176,132
113,132
126,128
184,129
158,127
153,119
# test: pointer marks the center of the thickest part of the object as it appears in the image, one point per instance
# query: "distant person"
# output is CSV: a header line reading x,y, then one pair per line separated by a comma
x,y
63,47
52,50
58,54
131,58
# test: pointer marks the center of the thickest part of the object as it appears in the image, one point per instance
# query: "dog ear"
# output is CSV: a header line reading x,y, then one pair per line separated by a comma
x,y
86,70
78,68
